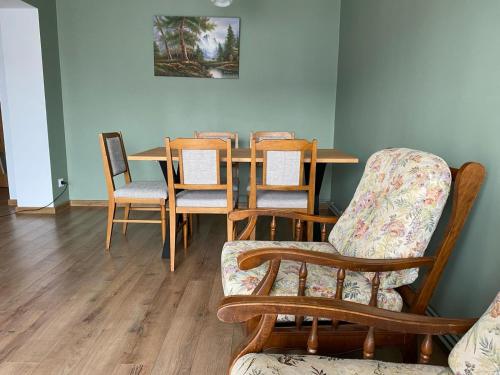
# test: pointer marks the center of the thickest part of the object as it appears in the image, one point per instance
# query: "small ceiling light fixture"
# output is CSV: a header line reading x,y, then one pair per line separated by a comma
x,y
221,3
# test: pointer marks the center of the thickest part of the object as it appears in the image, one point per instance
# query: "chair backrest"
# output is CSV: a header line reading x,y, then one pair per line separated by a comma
x,y
478,351
114,159
233,136
199,165
283,165
395,210
262,135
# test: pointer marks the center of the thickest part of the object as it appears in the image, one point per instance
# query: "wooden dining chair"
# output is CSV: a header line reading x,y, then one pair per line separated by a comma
x,y
141,193
261,135
283,184
200,189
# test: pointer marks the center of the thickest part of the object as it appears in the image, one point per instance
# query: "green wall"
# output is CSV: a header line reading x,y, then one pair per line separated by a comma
x,y
426,75
287,79
53,97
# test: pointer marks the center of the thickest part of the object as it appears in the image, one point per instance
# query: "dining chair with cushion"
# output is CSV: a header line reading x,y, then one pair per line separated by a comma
x,y
476,353
200,189
375,248
283,183
133,195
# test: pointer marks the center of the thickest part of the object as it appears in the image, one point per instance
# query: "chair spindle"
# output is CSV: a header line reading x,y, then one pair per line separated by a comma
x,y
301,291
426,350
273,228
369,344
375,286
323,232
339,291
312,341
298,231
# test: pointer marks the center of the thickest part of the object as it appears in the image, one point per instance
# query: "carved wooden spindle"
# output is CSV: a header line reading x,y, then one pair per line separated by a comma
x,y
375,286
301,291
273,228
369,344
339,291
298,231
312,341
426,350
323,232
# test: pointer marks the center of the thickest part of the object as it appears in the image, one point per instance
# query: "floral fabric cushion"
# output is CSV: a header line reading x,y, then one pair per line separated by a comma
x,y
395,210
478,351
284,364
321,280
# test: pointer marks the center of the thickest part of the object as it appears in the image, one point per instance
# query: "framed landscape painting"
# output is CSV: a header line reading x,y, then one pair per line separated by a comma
x,y
200,47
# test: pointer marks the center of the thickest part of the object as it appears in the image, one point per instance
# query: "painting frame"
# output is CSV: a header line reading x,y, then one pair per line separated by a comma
x,y
196,46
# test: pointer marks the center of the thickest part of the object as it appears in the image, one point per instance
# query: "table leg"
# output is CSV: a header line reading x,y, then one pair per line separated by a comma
x,y
320,173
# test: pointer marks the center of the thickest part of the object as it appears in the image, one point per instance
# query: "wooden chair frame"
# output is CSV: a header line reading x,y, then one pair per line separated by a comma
x,y
178,145
262,135
233,136
126,202
239,309
467,182
300,145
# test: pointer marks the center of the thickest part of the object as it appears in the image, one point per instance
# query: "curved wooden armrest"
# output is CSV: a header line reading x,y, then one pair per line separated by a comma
x,y
239,215
254,258
242,308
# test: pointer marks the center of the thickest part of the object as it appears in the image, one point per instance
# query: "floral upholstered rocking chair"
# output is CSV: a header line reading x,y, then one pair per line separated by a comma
x,y
374,250
477,352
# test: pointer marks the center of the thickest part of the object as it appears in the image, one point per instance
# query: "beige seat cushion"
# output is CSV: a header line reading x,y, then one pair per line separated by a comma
x,y
321,280
285,364
204,198
281,199
143,189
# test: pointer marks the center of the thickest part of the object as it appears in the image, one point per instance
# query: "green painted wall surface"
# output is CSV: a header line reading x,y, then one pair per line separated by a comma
x,y
426,75
287,79
53,97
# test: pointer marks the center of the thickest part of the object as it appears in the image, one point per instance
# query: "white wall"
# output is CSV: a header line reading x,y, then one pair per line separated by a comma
x,y
22,96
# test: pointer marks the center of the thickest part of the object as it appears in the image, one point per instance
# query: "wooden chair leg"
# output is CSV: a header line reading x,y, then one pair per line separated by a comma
x,y
230,229
172,224
125,217
185,230
111,217
163,223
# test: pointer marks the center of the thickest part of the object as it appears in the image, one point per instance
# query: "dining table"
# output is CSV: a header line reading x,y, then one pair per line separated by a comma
x,y
242,155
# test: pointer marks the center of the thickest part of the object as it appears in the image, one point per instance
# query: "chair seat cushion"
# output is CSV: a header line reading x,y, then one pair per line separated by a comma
x,y
286,364
143,189
321,280
203,198
281,199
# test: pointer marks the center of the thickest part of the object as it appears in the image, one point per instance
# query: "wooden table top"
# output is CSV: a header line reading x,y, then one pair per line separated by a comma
x,y
242,155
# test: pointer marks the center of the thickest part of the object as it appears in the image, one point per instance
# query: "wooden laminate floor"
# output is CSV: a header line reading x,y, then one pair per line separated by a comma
x,y
67,307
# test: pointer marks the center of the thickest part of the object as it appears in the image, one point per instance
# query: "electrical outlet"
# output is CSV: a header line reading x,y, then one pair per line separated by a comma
x,y
61,182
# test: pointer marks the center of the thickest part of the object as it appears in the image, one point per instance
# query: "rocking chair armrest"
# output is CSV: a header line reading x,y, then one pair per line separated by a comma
x,y
254,258
238,215
235,309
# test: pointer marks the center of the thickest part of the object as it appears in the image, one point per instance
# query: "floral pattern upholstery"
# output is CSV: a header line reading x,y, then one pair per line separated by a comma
x,y
478,351
321,280
284,364
395,210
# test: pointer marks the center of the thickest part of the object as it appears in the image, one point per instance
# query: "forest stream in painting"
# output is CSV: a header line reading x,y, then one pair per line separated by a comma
x,y
201,47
